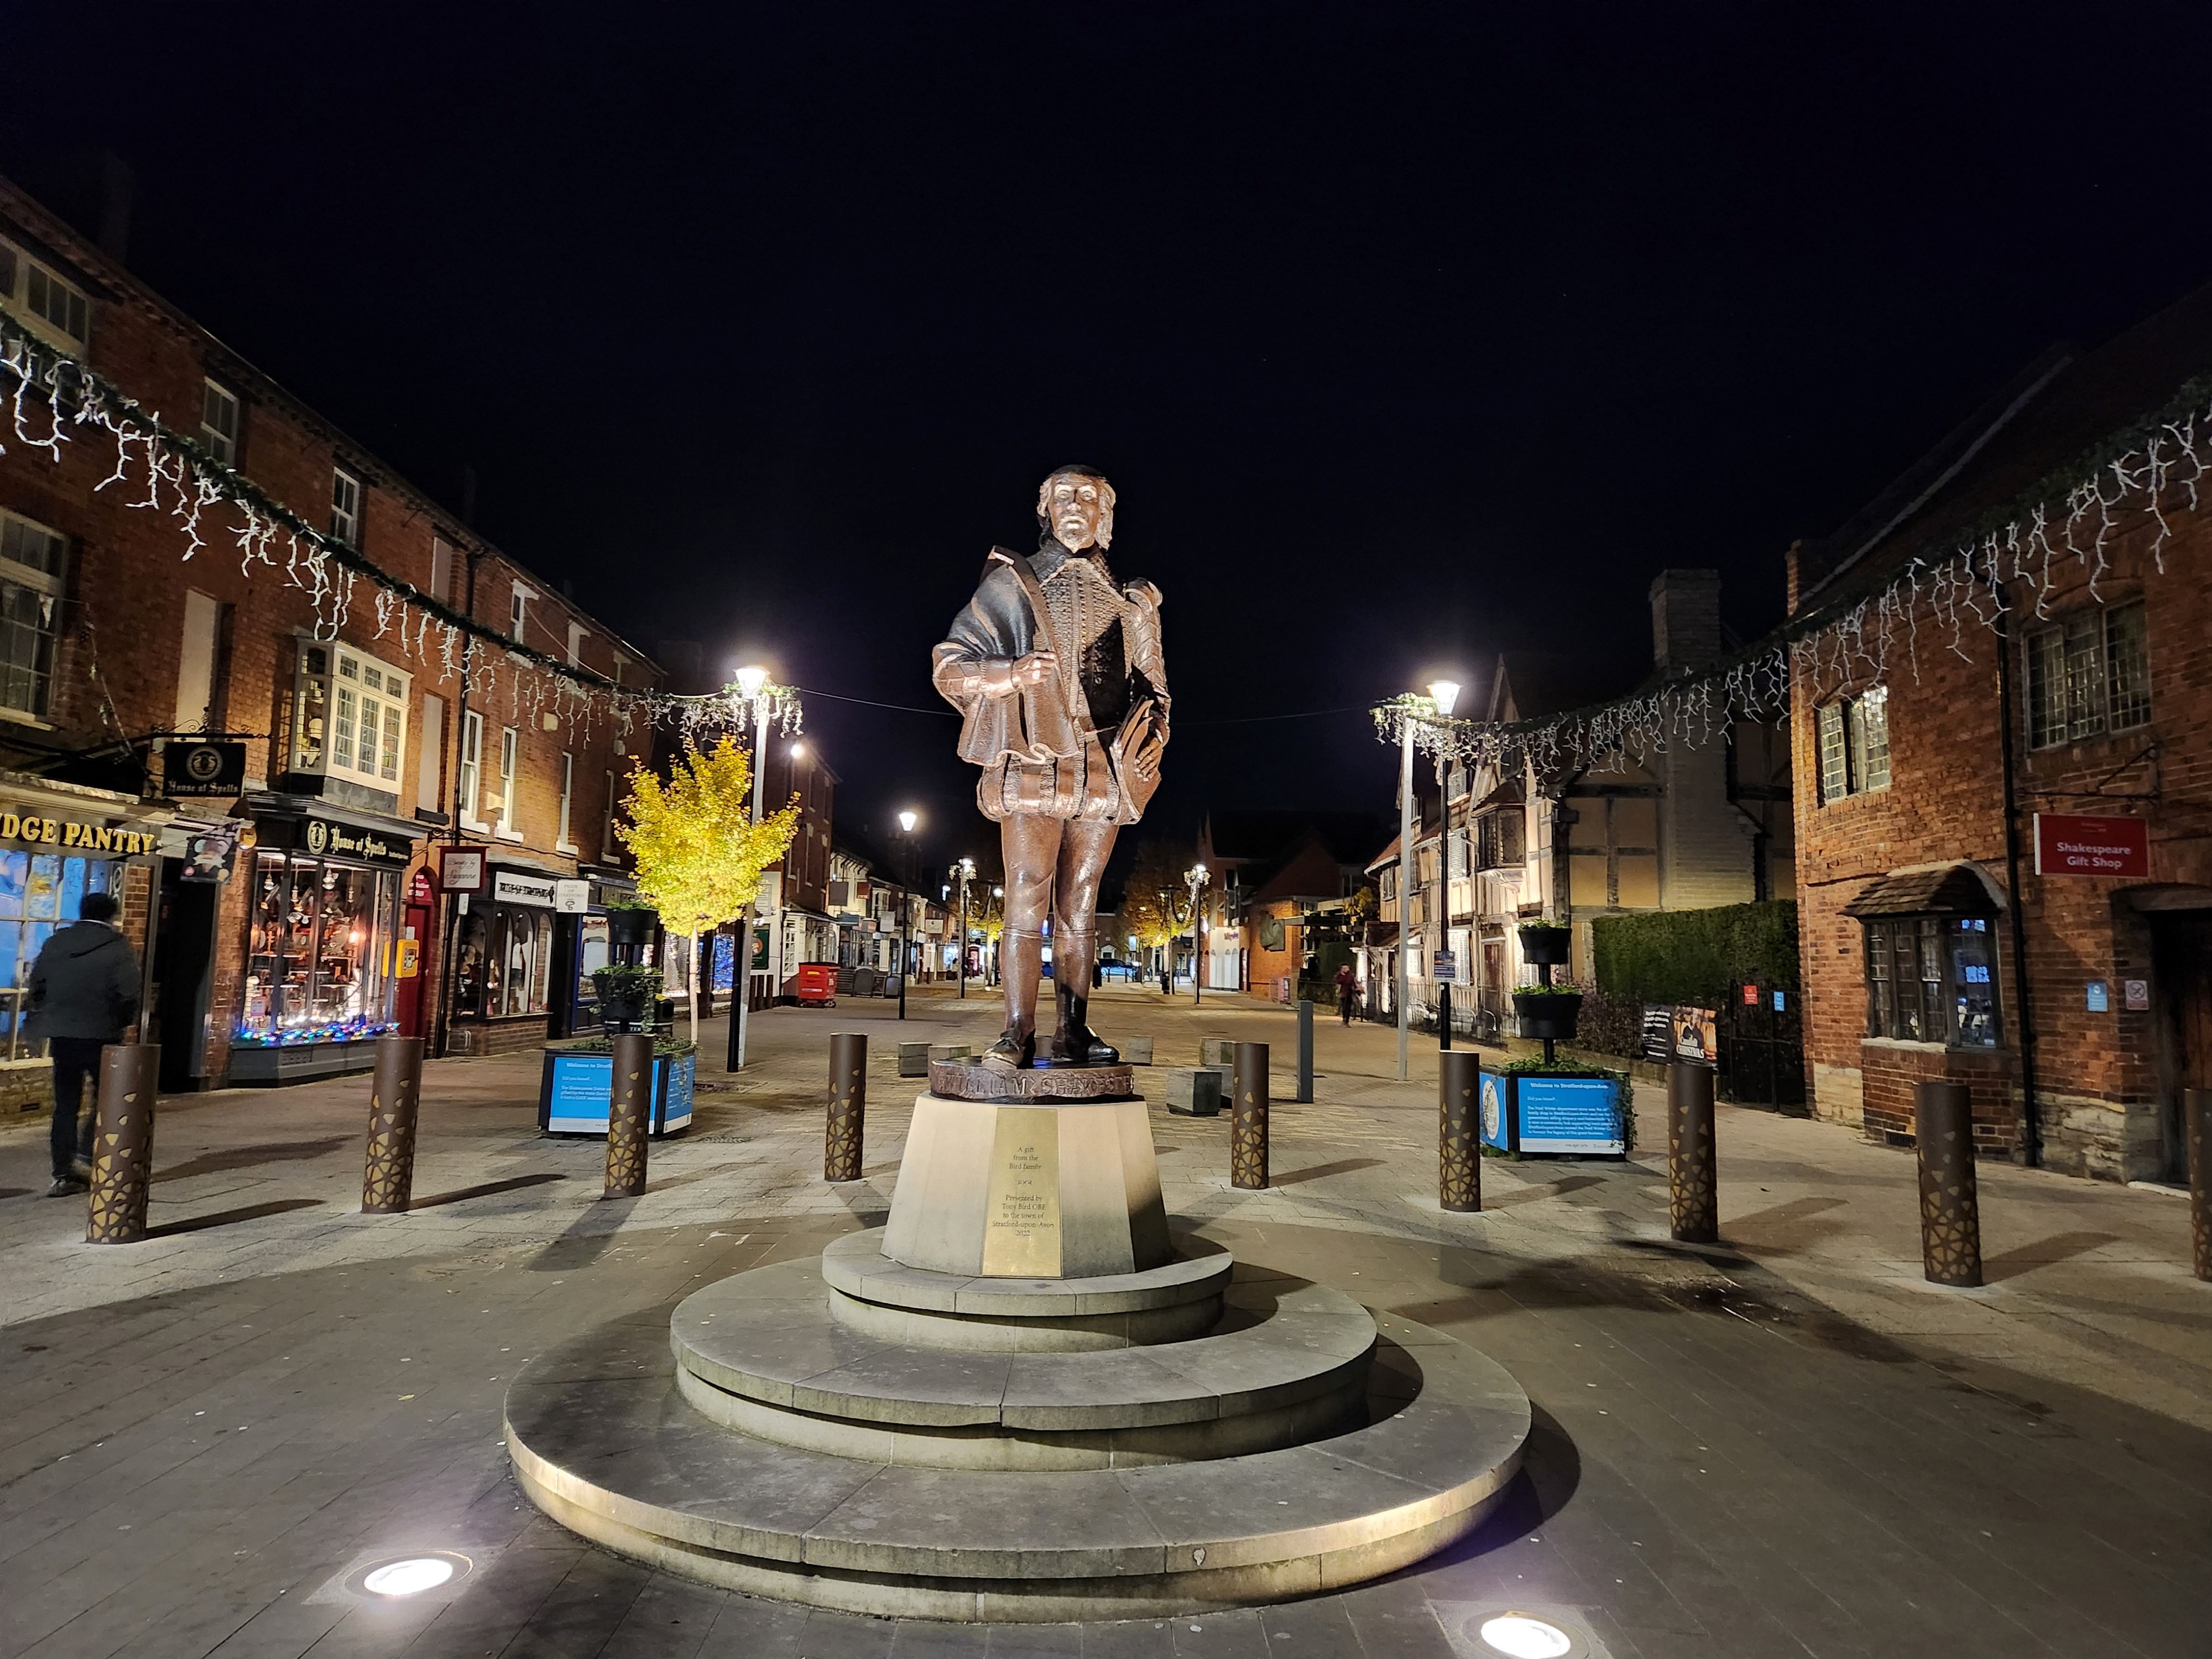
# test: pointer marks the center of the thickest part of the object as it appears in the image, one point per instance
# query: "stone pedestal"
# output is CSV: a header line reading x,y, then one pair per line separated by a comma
x,y
1042,1188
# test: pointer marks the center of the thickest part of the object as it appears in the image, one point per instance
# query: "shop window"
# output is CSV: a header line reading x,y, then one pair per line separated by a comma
x,y
1932,979
345,506
31,560
2089,676
316,973
504,962
1854,734
38,892
219,422
350,719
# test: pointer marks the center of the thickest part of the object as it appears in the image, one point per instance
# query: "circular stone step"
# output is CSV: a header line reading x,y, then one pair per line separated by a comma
x,y
601,1442
894,1303
769,1336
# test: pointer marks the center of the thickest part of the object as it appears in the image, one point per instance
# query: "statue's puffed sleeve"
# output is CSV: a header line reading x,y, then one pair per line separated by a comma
x,y
1145,657
973,670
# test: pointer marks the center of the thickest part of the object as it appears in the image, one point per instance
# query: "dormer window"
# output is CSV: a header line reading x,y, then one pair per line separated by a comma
x,y
50,305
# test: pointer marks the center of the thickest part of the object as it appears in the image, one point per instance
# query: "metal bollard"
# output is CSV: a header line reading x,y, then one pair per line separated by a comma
x,y
1247,1118
1950,1206
2197,1115
848,1106
395,1098
629,1114
1306,1052
1459,1131
1693,1198
123,1142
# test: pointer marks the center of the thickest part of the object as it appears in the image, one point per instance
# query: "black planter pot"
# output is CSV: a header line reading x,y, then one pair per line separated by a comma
x,y
1547,1016
629,926
1542,947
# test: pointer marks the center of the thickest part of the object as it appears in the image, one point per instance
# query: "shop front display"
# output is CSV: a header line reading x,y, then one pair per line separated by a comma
x,y
503,965
323,914
51,858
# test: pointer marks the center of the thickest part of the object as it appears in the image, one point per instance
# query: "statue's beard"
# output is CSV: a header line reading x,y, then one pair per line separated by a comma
x,y
1100,539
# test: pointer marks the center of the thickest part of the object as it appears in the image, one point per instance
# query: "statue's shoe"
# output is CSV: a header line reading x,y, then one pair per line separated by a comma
x,y
1084,1047
1013,1051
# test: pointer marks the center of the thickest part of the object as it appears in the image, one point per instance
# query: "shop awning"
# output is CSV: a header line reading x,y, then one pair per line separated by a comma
x,y
1960,889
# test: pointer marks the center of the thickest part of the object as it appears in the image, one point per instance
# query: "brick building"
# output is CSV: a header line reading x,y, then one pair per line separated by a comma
x,y
288,915
2075,1006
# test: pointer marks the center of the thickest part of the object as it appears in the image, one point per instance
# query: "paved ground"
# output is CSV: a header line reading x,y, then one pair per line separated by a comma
x,y
1788,1445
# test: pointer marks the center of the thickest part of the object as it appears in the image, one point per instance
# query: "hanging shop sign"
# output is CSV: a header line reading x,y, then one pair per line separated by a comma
x,y
328,838
74,832
572,898
203,768
209,858
513,887
463,869
2068,844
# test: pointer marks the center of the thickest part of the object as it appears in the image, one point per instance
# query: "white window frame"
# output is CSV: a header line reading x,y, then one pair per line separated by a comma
x,y
442,570
352,694
1852,751
568,799
18,266
510,770
345,506
608,843
518,612
2076,687
218,438
472,773
577,635
429,760
48,587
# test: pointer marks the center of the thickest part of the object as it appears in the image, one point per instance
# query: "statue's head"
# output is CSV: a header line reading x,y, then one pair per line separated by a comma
x,y
1077,505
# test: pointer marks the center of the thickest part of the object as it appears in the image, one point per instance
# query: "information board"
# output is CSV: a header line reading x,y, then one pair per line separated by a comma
x,y
1569,1114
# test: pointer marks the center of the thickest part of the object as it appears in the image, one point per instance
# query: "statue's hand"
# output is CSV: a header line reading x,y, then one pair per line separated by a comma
x,y
1038,668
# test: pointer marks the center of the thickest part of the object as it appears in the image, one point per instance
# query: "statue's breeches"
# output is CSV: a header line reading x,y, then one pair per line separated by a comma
x,y
1086,786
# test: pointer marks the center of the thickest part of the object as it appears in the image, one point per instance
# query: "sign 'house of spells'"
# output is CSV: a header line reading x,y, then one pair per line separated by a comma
x,y
2004,830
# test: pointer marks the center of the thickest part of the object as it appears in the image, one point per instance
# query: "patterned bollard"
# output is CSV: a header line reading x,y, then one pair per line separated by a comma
x,y
2196,1111
1459,1131
1693,1197
395,1097
629,1114
123,1143
1247,1118
848,1106
1950,1205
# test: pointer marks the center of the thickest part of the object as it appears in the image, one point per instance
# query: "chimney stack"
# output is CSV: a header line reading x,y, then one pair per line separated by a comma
x,y
1685,621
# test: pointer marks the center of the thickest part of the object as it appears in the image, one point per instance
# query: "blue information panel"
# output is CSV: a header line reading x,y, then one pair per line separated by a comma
x,y
1567,1115
581,1083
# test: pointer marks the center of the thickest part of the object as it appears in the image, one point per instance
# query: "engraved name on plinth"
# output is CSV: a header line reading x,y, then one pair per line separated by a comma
x,y
1021,1228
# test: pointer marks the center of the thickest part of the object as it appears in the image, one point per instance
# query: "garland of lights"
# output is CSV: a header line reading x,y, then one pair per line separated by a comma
x,y
180,475
2022,548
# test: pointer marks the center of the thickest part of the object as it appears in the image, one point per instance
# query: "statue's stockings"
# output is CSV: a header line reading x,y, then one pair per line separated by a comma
x,y
1053,864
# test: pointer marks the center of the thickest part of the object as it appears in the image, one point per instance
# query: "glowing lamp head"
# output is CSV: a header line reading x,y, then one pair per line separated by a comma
x,y
907,820
798,751
750,681
1444,694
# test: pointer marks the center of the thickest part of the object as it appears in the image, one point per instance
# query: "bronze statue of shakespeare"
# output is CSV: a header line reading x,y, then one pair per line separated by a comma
x,y
1055,669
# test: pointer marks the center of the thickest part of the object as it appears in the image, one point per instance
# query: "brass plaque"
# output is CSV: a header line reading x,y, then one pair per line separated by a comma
x,y
1021,1233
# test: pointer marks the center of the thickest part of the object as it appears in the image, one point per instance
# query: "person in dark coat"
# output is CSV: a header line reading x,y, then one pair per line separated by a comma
x,y
1347,992
84,995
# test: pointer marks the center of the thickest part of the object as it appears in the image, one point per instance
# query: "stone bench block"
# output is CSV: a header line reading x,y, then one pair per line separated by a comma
x,y
914,1059
1194,1093
1217,1051
1135,1050
945,1051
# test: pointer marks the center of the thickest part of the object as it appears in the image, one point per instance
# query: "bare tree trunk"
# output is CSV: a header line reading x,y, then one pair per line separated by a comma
x,y
691,941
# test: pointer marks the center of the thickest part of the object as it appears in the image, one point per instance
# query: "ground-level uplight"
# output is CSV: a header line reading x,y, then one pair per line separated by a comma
x,y
411,1575
1524,1637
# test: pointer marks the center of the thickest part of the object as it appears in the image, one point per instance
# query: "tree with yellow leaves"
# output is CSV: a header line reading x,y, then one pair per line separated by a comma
x,y
699,852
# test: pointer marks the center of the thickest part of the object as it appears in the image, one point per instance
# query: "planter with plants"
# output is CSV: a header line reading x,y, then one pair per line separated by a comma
x,y
630,925
628,994
1548,1012
1545,944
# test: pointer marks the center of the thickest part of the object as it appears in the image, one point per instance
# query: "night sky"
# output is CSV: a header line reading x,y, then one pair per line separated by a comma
x,y
1407,333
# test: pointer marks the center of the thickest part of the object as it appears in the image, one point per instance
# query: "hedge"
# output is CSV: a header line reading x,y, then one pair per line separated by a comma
x,y
1694,957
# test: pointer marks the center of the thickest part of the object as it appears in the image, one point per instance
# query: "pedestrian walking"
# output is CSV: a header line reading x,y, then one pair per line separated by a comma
x,y
1347,992
83,996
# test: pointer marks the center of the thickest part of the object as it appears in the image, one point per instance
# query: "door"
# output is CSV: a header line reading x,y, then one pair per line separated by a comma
x,y
184,955
415,943
2181,942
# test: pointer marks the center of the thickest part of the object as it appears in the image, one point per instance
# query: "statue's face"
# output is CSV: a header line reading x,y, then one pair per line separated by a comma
x,y
1080,510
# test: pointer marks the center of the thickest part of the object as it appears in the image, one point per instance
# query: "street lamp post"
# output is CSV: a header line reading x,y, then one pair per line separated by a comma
x,y
962,872
906,822
1196,877
1405,892
1444,694
750,683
